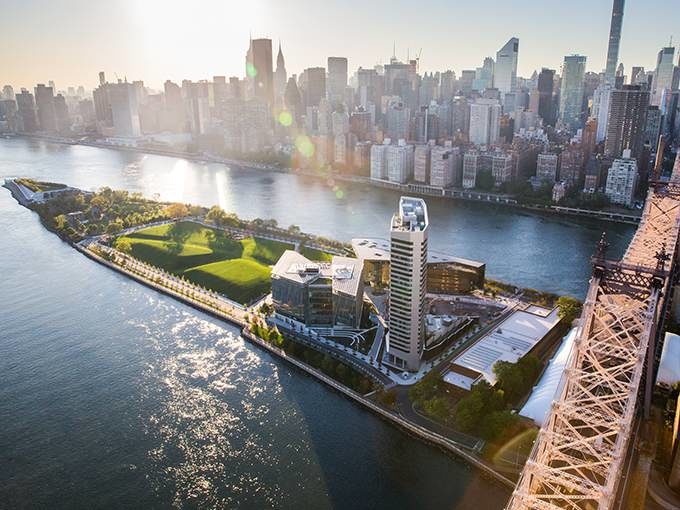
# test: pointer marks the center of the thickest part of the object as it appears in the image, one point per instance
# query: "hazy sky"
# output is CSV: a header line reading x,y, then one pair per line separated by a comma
x,y
69,41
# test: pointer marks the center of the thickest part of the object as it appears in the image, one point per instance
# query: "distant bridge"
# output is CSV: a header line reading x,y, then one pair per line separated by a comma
x,y
579,454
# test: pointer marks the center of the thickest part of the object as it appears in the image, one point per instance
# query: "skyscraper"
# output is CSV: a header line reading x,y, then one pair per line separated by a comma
x,y
337,79
663,75
614,41
408,269
28,122
484,75
571,93
44,101
280,77
124,109
627,121
505,69
313,82
397,118
259,69
600,111
546,80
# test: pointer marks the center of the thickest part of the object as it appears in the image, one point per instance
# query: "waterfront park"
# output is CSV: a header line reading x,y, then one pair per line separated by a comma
x,y
235,266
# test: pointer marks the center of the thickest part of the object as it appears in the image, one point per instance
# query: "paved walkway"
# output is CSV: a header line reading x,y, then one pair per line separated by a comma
x,y
185,290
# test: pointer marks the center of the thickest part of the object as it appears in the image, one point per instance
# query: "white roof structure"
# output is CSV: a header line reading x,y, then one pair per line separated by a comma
x,y
669,366
376,250
509,341
537,406
345,272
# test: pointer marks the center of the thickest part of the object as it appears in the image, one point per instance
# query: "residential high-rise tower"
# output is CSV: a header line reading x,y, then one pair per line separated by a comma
x,y
614,41
408,275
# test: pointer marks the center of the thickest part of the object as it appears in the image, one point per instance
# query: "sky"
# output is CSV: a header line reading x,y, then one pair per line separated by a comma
x,y
70,41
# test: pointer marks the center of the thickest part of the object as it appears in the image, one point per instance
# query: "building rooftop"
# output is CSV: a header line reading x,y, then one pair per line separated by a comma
x,y
375,249
345,272
509,341
412,215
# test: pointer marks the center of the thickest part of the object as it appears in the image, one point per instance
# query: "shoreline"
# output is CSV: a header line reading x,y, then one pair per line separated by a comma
x,y
413,429
422,190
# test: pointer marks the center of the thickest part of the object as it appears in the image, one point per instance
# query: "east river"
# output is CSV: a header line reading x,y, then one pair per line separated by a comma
x,y
113,396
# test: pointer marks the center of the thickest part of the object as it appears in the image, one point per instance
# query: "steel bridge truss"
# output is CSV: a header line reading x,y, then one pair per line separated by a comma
x,y
578,456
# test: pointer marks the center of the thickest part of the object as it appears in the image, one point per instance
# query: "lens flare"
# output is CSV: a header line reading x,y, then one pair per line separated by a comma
x,y
250,70
305,146
285,119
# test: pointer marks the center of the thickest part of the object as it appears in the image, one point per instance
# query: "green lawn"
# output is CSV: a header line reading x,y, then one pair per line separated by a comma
x,y
238,269
316,255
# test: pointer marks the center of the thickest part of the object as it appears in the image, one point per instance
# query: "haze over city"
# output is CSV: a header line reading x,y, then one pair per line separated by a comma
x,y
155,40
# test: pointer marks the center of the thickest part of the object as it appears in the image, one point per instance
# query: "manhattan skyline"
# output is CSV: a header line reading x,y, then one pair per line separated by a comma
x,y
69,42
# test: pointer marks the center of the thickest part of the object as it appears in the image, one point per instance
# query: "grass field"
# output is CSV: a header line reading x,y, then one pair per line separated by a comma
x,y
238,269
316,255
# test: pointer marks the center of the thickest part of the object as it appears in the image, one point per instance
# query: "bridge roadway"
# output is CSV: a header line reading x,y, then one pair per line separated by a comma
x,y
578,459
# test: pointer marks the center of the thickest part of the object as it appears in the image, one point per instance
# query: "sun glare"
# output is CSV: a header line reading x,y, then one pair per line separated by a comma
x,y
194,38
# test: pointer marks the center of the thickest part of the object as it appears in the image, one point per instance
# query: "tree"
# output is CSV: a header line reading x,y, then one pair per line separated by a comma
x,y
438,408
177,210
114,227
482,400
388,398
60,222
426,388
569,309
124,245
496,423
485,180
216,215
516,379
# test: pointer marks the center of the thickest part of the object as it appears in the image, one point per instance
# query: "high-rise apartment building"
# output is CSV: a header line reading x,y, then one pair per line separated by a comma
x,y
485,115
421,163
337,79
546,168
571,92
379,161
614,41
627,120
652,127
505,69
600,109
622,180
471,164
408,278
663,75
444,163
399,162
398,119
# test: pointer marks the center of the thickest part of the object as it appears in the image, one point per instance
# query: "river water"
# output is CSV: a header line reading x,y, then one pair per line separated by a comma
x,y
113,396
